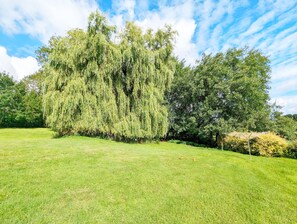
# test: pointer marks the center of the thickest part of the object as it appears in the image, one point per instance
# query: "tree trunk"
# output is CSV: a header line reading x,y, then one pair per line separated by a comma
x,y
249,146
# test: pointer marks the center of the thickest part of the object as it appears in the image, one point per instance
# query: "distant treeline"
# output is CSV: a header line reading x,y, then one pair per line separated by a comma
x,y
129,86
21,102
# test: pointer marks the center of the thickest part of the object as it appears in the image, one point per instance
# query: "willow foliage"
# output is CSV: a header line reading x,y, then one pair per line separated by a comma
x,y
98,86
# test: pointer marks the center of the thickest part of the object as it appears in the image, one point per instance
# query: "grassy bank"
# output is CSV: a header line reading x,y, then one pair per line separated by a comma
x,y
88,180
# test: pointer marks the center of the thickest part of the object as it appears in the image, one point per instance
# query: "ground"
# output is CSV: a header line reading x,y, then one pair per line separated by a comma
x,y
90,180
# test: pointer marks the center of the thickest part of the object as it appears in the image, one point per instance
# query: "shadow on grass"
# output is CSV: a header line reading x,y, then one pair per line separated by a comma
x,y
188,143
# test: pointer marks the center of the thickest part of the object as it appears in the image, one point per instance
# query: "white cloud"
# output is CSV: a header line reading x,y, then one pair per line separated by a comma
x,y
17,67
5,63
42,19
270,28
122,10
181,17
288,103
284,72
287,86
216,26
124,7
259,23
284,87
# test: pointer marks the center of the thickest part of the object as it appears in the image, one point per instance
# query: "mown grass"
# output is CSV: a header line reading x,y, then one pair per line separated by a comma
x,y
88,180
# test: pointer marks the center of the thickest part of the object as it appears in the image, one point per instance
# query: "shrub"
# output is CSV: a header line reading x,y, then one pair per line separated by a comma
x,y
264,144
270,145
291,151
238,142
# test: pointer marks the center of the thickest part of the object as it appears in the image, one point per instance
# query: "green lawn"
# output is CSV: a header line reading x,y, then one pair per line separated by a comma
x,y
88,180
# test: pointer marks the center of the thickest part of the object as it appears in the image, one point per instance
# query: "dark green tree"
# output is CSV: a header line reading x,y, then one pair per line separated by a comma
x,y
286,127
32,99
293,116
11,106
223,92
7,103
20,103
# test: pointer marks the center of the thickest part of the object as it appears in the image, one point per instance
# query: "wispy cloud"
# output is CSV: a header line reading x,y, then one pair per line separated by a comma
x,y
203,26
180,16
43,19
40,20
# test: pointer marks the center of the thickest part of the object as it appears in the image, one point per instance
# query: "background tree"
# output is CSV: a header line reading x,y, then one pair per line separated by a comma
x,y
293,116
20,106
286,127
8,105
224,92
11,104
32,99
283,125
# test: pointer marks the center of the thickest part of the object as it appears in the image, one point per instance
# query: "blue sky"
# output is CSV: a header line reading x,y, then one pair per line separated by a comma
x,y
203,26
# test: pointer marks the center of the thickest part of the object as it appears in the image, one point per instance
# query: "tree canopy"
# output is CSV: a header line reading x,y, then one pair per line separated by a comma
x,y
222,92
20,103
101,82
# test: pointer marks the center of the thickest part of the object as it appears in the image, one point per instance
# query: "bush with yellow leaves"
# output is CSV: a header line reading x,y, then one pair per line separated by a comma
x,y
270,144
264,144
235,144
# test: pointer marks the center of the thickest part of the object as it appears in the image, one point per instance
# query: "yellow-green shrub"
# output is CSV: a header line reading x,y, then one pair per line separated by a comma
x,y
270,145
235,144
265,144
239,143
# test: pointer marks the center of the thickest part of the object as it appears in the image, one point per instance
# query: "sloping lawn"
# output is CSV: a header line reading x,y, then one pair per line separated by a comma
x,y
88,180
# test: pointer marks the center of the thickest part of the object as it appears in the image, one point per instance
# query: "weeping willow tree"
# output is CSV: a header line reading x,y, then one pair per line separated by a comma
x,y
97,86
